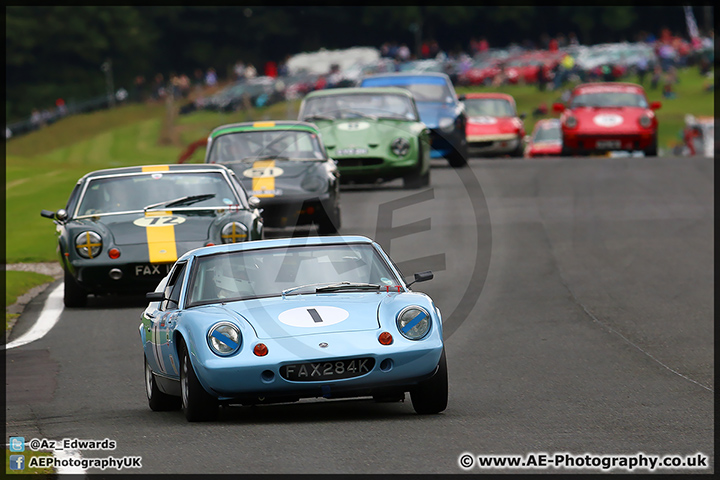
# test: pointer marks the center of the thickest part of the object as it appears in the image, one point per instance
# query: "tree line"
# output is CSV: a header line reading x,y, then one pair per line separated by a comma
x,y
57,51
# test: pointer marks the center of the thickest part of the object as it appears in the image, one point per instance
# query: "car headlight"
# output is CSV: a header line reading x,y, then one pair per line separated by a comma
x,y
645,121
571,122
413,322
234,232
312,183
88,244
400,146
224,339
446,124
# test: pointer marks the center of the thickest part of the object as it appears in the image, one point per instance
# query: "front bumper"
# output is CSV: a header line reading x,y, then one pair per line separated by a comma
x,y
281,212
493,144
244,376
605,143
374,168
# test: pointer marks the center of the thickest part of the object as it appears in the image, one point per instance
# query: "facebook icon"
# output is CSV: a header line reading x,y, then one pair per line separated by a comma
x,y
17,462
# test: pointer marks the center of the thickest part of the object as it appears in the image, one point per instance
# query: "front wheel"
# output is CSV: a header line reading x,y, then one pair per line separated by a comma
x,y
329,223
652,150
197,404
431,396
74,294
457,158
158,401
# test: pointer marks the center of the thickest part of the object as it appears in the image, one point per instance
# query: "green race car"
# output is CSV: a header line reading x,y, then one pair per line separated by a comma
x,y
374,134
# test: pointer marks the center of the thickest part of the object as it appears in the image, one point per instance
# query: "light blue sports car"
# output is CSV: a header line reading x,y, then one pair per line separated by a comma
x,y
278,320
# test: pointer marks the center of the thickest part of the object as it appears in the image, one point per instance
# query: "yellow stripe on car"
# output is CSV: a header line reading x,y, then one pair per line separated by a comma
x,y
263,182
161,240
155,168
263,124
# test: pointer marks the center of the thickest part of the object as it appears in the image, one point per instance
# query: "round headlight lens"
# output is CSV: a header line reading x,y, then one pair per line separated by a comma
x,y
88,244
400,146
312,183
234,232
224,339
446,124
645,121
571,122
413,322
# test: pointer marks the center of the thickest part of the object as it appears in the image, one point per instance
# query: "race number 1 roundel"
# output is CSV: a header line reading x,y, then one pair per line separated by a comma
x,y
313,316
263,172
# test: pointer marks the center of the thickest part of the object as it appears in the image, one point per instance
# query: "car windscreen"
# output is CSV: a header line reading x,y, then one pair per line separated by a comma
x,y
128,193
548,134
359,104
248,145
609,99
492,107
424,89
241,275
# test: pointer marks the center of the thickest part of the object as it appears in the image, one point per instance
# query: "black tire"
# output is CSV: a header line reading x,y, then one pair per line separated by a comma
x,y
197,404
431,396
75,296
329,224
652,150
158,401
457,158
519,151
417,180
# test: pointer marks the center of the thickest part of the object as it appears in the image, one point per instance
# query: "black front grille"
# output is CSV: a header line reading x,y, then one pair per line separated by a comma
x,y
481,144
359,162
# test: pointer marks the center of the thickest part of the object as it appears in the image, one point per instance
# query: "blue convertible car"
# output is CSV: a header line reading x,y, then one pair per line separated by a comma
x,y
278,320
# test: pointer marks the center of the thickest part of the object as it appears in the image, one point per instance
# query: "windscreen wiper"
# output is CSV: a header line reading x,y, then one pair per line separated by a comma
x,y
187,200
347,286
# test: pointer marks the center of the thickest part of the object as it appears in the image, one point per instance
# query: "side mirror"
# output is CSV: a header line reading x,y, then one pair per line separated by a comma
x,y
655,105
522,116
254,201
462,97
61,215
47,214
422,277
558,107
155,296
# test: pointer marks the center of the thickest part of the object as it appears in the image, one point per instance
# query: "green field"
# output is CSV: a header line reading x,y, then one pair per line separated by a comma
x,y
42,167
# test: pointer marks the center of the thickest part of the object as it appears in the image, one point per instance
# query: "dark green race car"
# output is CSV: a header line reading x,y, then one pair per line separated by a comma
x,y
285,165
374,134
123,228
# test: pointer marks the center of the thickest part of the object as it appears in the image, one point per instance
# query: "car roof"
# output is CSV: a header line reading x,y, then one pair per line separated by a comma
x,y
277,242
504,96
407,74
264,125
175,168
359,90
608,87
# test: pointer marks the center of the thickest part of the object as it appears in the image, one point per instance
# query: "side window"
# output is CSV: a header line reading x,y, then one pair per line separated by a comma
x,y
72,201
174,287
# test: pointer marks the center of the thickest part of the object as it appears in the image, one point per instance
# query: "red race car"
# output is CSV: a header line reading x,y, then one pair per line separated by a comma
x,y
493,126
546,139
603,117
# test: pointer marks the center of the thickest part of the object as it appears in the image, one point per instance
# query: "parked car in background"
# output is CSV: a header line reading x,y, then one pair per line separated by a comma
x,y
604,117
374,134
439,107
123,228
280,320
494,127
285,165
546,139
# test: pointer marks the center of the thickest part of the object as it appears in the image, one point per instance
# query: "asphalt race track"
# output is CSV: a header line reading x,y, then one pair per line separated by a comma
x,y
577,295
